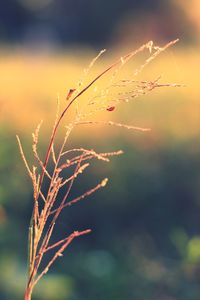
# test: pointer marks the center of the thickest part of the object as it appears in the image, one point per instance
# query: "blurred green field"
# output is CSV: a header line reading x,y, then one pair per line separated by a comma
x,y
146,227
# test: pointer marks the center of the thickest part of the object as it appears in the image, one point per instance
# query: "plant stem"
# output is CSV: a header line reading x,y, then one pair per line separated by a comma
x,y
28,293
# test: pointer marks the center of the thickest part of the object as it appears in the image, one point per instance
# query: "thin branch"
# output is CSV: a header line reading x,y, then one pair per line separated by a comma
x,y
154,55
101,156
80,171
113,124
35,136
23,157
86,194
66,239
53,154
60,251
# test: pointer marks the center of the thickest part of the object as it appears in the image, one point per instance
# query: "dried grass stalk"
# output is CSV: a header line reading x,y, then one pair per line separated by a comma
x,y
46,208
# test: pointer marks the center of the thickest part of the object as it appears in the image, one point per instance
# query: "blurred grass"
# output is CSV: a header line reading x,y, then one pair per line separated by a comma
x,y
30,84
